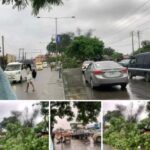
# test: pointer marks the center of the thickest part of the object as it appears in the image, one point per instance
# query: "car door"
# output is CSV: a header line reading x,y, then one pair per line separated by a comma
x,y
132,66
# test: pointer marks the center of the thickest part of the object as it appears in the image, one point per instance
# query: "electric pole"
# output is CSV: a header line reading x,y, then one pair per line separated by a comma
x,y
132,35
3,53
138,34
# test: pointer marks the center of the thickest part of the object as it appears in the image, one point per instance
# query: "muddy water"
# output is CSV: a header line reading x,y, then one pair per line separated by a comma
x,y
77,145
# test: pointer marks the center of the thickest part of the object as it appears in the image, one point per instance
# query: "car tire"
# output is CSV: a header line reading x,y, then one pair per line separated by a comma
x,y
130,75
147,77
92,84
123,86
20,81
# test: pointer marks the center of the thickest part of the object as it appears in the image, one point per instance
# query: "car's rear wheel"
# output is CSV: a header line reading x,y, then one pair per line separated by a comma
x,y
130,75
123,86
147,77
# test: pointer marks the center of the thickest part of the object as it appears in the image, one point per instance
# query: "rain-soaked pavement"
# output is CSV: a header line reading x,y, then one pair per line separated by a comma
x,y
76,88
48,86
107,147
77,145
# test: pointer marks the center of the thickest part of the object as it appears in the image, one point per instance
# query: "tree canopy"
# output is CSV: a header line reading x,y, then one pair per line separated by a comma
x,y
125,130
36,4
21,128
84,47
87,112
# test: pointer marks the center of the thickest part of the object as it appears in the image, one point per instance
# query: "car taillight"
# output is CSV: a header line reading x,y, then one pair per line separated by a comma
x,y
97,72
125,70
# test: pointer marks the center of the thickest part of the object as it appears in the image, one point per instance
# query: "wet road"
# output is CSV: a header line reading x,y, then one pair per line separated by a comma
x,y
77,145
107,147
76,88
47,87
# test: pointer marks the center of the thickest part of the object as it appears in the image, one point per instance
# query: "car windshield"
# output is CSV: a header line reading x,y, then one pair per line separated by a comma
x,y
13,67
107,65
125,61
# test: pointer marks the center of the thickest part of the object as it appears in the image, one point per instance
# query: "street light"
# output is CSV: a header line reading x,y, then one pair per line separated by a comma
x,y
56,26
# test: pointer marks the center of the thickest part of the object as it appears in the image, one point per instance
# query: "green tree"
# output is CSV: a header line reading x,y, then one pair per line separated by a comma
x,y
145,47
84,47
110,114
108,51
117,56
36,4
51,47
87,112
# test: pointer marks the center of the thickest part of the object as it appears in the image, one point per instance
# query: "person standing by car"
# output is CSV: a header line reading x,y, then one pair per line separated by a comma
x,y
29,78
59,67
6,92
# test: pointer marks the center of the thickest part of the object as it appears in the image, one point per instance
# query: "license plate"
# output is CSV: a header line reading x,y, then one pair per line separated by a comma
x,y
112,74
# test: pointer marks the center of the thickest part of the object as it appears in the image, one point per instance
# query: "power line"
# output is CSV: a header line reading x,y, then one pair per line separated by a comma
x,y
133,20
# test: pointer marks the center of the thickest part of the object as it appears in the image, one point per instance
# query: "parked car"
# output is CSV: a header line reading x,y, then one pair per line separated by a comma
x,y
45,65
85,65
39,66
124,62
16,71
106,73
139,65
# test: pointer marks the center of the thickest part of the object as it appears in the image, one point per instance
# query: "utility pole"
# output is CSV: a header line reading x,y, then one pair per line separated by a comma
x,y
132,35
56,34
139,41
3,53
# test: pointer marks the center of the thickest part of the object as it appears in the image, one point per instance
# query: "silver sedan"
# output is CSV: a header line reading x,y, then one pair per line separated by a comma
x,y
106,73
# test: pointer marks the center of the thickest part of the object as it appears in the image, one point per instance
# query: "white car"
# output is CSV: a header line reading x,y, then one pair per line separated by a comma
x,y
45,65
15,71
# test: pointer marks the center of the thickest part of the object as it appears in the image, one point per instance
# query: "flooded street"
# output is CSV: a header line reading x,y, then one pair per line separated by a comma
x,y
76,88
77,145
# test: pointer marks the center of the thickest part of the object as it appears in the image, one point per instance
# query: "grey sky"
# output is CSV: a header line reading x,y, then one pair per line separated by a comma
x,y
111,105
7,106
111,20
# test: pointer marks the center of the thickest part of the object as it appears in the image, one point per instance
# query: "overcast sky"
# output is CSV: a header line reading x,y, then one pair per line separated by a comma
x,y
111,105
7,106
110,20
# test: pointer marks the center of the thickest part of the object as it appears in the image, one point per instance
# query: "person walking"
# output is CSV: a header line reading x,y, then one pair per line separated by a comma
x,y
29,78
59,69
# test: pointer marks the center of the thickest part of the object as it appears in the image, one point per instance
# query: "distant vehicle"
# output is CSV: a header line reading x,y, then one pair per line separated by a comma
x,y
45,65
124,62
106,73
39,66
16,71
85,65
139,65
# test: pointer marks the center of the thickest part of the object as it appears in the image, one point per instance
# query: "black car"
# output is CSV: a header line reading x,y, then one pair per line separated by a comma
x,y
139,65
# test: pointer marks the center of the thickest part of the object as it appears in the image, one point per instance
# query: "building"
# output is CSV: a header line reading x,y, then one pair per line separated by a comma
x,y
39,58
10,58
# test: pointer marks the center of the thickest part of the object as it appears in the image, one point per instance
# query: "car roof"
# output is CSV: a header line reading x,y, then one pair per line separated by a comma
x,y
15,63
97,62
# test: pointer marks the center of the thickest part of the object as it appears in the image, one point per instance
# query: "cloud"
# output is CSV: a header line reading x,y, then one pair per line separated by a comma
x,y
23,30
